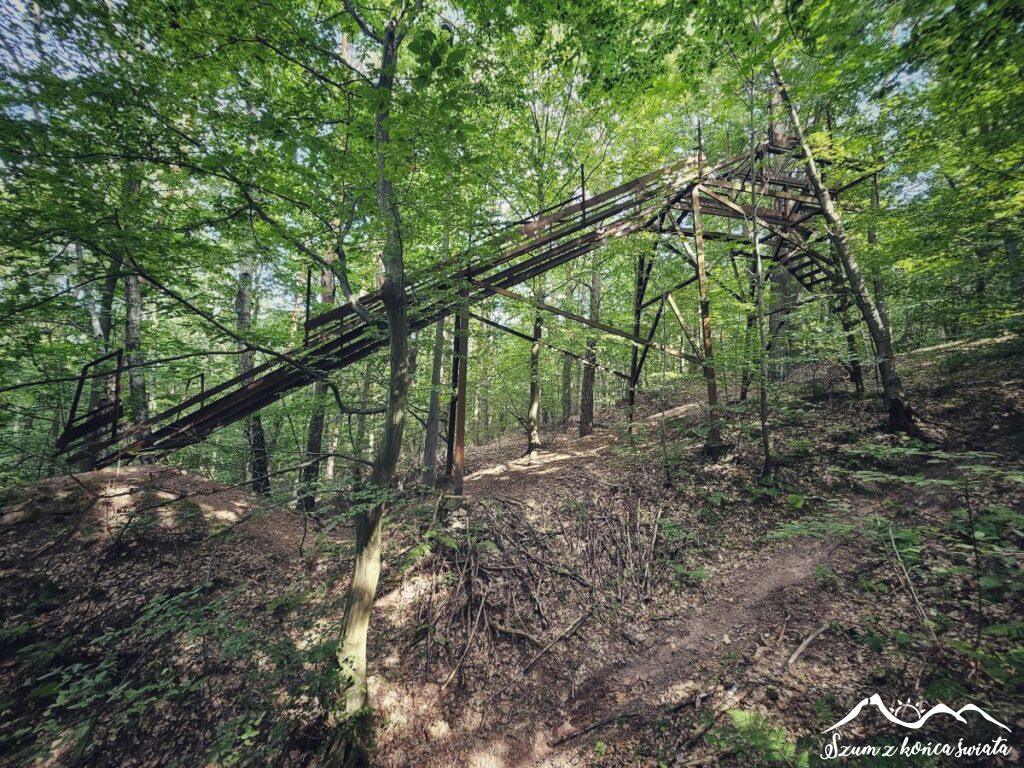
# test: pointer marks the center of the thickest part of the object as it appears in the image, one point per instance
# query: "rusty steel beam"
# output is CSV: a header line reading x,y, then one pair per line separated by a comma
x,y
513,252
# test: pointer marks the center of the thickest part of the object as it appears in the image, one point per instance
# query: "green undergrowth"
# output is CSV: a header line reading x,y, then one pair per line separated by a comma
x,y
953,550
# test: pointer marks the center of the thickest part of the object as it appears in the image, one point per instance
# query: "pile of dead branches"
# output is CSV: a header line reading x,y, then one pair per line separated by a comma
x,y
504,572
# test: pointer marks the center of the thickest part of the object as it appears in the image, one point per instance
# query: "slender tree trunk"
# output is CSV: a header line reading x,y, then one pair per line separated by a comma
x,y
485,393
853,356
459,445
900,413
433,429
1011,243
533,444
258,463
366,568
566,389
639,286
589,367
762,351
708,362
101,321
876,277
453,400
849,326
138,401
363,445
334,441
745,375
783,297
310,474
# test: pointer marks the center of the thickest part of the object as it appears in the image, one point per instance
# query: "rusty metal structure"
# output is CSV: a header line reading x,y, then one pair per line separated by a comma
x,y
675,202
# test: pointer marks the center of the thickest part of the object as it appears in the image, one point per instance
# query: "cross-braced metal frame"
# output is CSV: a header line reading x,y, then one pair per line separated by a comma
x,y
673,202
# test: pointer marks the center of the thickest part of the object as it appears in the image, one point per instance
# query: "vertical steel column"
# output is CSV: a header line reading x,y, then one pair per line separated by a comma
x,y
462,332
708,364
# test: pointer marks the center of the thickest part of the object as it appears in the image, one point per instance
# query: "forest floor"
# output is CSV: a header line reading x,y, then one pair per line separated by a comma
x,y
618,600
760,613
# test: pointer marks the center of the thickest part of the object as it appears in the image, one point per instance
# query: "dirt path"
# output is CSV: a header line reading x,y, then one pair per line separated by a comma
x,y
563,453
735,608
673,660
745,601
668,659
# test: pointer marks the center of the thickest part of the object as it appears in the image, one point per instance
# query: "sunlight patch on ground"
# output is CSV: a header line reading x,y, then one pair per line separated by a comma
x,y
222,515
540,464
964,344
493,755
399,606
671,413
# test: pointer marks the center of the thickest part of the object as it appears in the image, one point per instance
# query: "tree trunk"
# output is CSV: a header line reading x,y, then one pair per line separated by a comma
x,y
566,389
366,569
361,447
1011,243
138,401
900,413
783,297
853,359
852,352
589,367
335,439
708,361
745,374
639,290
484,433
755,239
101,321
257,470
876,277
459,456
533,443
310,474
428,478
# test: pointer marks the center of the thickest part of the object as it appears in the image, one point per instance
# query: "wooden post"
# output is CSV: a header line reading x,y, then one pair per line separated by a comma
x,y
650,336
635,352
876,278
643,273
449,463
461,332
708,363
117,392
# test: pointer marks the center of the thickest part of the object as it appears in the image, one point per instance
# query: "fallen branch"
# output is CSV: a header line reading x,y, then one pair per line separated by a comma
x,y
731,699
910,588
782,632
595,726
515,633
803,646
561,636
469,642
671,709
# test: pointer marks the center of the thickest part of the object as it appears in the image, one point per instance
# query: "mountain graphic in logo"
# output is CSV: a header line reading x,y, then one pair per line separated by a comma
x,y
939,709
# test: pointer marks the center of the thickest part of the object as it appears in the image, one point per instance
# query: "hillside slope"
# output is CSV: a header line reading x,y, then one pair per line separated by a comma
x,y
617,601
582,612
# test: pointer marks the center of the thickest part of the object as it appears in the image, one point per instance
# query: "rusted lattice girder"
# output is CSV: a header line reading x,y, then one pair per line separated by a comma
x,y
499,260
